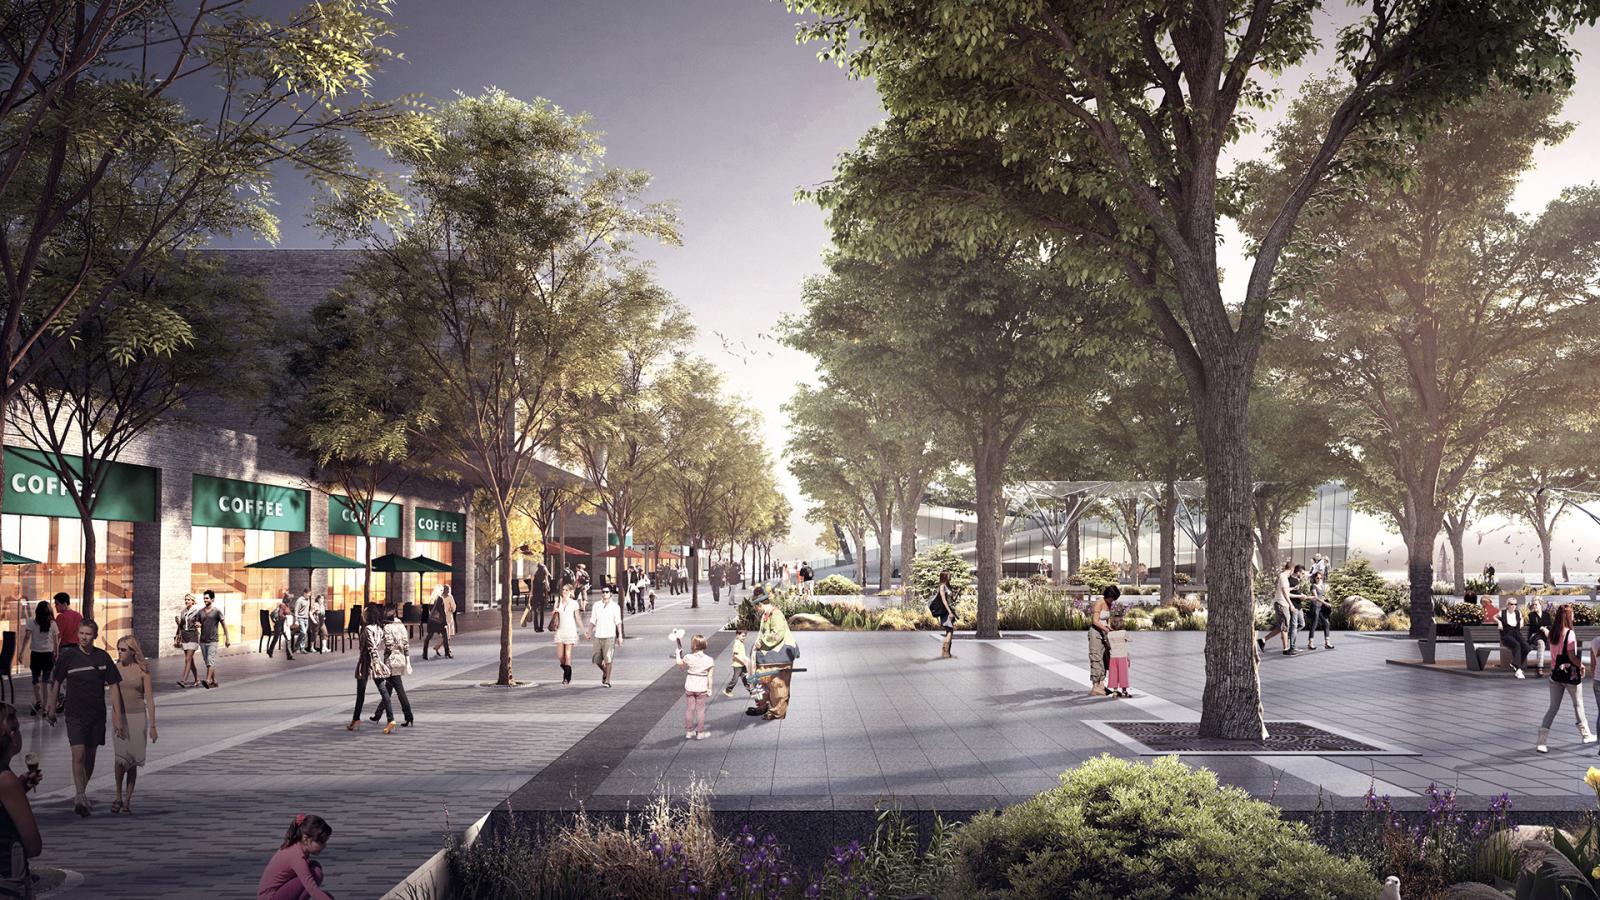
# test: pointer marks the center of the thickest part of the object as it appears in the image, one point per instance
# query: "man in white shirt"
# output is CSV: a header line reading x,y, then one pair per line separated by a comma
x,y
1283,614
302,618
605,627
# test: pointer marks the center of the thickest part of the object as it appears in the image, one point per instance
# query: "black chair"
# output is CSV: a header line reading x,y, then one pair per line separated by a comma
x,y
411,617
8,655
333,623
266,629
354,628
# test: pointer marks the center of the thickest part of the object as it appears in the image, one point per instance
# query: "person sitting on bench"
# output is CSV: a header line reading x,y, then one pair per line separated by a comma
x,y
1513,636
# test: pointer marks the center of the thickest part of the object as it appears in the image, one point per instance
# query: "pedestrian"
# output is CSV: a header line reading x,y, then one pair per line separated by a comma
x,y
1099,648
86,671
741,663
807,579
1117,658
1282,613
776,652
374,640
211,620
67,622
538,595
319,623
364,668
40,640
651,597
187,639
1566,678
1539,629
139,704
943,607
1320,612
281,615
397,654
580,580
1297,598
699,668
291,873
566,621
605,627
714,576
1513,637
20,840
301,629
441,609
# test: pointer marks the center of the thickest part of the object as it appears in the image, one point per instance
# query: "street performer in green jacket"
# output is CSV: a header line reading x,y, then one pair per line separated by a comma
x,y
775,655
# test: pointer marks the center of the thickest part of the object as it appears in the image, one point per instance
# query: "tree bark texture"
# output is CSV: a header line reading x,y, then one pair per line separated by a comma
x,y
1169,549
885,534
1074,547
1455,528
987,473
1419,570
504,674
908,540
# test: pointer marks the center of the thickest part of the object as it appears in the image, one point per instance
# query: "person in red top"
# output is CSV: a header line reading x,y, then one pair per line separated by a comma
x,y
292,874
67,622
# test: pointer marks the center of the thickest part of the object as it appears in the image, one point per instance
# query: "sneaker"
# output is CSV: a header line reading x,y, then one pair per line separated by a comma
x,y
1327,646
1261,644
727,692
1589,739
702,735
1519,673
1541,748
1291,652
688,735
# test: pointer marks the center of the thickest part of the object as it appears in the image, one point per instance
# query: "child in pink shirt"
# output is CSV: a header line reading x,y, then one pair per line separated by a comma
x,y
292,874
696,687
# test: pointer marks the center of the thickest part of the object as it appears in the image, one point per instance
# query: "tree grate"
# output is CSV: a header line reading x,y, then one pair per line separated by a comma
x,y
1283,737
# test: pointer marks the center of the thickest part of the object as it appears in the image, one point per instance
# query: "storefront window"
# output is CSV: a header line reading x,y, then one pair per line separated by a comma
x,y
439,551
57,543
220,557
344,585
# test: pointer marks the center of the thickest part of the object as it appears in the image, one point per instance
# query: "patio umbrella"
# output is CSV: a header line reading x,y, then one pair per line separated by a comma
x,y
433,565
552,548
394,562
307,558
16,559
628,552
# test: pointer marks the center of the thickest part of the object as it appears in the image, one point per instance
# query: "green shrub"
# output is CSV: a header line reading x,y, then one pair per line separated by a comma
x,y
1164,617
1012,585
1160,830
1195,621
1096,574
927,564
1186,605
1481,586
1463,613
1359,577
1584,614
1443,588
1262,587
1397,621
837,586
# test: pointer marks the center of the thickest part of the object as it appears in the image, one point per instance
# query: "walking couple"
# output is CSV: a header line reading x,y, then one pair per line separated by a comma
x,y
385,659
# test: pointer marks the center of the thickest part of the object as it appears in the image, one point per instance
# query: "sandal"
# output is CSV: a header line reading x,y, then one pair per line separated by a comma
x,y
389,728
352,725
116,806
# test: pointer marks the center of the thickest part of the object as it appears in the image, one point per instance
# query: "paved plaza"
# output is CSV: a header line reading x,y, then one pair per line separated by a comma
x,y
877,719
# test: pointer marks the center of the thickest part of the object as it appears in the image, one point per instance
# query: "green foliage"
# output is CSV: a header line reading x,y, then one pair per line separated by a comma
x,y
1157,830
928,564
1096,574
1483,587
1357,577
1585,614
899,864
1463,613
837,586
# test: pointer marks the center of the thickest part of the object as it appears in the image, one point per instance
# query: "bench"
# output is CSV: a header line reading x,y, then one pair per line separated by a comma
x,y
1481,641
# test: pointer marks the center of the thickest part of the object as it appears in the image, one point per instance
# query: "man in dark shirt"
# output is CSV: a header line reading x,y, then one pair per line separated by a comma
x,y
210,619
86,671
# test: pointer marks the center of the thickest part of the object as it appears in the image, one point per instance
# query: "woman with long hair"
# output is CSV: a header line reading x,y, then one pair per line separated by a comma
x,y
40,640
19,831
364,666
567,622
1566,677
373,644
139,702
943,607
397,653
291,873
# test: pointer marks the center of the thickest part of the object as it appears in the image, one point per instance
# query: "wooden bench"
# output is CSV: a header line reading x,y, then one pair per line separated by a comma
x,y
1481,641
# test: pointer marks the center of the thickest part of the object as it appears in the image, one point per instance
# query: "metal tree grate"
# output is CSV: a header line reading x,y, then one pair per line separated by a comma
x,y
1299,738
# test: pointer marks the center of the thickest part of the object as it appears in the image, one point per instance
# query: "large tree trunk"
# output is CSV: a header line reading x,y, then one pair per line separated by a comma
x,y
1074,547
1455,528
1419,571
884,531
90,551
987,468
1545,535
504,674
1055,564
1231,702
694,574
859,538
1169,549
366,559
1268,552
1200,564
908,540
1131,536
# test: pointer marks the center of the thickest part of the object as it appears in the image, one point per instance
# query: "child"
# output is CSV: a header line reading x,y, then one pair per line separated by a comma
x,y
696,687
1117,672
652,596
741,664
292,873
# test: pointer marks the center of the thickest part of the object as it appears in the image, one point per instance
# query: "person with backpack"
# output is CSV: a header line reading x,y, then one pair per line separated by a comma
x,y
943,607
1566,675
807,579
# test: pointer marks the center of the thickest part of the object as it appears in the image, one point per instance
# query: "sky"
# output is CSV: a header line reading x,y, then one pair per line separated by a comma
x,y
731,116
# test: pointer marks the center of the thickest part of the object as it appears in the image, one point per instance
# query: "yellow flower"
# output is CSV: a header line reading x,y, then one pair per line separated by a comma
x,y
1595,873
1593,778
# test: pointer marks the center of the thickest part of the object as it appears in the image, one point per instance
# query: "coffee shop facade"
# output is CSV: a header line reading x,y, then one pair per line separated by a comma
x,y
188,506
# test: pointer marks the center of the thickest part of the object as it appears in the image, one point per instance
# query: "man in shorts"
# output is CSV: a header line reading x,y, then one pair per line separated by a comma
x,y
86,671
605,626
210,620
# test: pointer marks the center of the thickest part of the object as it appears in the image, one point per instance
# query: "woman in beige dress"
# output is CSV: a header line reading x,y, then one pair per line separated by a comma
x,y
139,702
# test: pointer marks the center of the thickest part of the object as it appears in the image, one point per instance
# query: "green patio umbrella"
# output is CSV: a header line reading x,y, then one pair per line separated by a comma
x,y
394,562
14,559
307,558
433,565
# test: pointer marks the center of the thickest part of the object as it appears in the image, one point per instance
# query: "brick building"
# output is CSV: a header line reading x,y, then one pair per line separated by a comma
x,y
191,504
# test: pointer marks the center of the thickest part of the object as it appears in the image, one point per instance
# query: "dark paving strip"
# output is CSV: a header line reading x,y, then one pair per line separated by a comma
x,y
573,778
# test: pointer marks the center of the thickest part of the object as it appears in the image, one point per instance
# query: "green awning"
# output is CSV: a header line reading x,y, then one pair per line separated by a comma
x,y
394,562
13,559
307,558
432,565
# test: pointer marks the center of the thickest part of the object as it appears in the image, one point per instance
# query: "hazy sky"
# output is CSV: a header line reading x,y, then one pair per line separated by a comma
x,y
717,101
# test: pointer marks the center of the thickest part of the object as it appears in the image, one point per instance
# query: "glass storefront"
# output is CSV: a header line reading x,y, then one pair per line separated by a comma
x,y
220,557
58,545
439,551
344,585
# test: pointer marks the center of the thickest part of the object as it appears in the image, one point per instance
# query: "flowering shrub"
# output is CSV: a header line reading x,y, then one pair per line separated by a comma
x,y
1433,850
1463,613
837,586
1095,574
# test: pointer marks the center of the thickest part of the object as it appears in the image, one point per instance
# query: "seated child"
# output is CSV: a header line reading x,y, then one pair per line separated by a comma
x,y
741,664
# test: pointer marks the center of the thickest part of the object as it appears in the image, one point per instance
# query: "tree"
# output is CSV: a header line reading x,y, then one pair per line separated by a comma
x,y
348,407
1103,126
995,339
619,442
1436,317
1289,441
1535,474
834,505
108,170
505,290
712,434
133,365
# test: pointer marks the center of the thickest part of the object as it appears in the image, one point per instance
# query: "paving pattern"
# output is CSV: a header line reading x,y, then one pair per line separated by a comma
x,y
234,765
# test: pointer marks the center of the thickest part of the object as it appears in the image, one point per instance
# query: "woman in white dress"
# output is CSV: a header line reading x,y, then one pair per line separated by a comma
x,y
566,621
